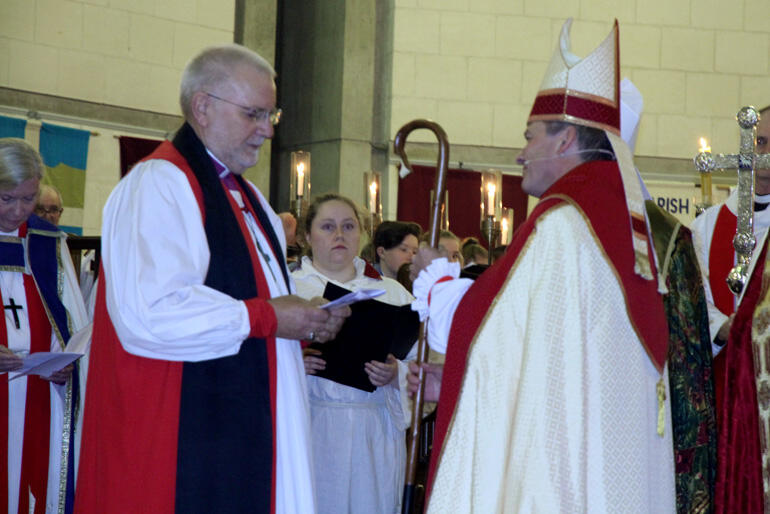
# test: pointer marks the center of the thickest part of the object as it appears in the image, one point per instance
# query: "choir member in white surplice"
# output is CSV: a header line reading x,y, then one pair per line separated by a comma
x,y
42,311
359,447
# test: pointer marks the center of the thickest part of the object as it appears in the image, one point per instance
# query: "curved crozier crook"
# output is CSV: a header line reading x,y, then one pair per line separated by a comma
x,y
422,347
442,165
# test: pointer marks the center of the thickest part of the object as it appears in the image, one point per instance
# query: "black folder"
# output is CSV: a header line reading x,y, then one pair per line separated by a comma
x,y
373,330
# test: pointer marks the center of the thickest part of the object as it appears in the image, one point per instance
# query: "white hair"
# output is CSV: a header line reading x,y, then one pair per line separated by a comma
x,y
212,66
19,162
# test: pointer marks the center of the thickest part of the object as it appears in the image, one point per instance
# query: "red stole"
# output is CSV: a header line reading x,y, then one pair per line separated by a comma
x,y
596,190
739,464
37,413
721,261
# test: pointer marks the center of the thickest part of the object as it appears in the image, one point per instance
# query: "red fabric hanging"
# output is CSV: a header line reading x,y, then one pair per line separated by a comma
x,y
133,150
464,199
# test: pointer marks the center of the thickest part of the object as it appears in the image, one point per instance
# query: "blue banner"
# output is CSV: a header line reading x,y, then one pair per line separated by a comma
x,y
65,154
64,145
12,127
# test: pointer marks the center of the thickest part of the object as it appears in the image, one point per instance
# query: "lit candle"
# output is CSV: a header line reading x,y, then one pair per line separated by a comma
x,y
504,230
491,188
705,178
373,197
301,179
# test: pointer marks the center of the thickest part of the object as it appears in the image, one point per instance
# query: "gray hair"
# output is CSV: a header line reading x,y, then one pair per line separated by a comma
x,y
212,66
19,162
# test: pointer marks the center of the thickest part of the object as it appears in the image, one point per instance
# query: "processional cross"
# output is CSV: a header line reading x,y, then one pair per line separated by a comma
x,y
14,307
745,162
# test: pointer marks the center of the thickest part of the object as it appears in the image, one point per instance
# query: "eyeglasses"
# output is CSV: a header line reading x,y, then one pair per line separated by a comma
x,y
48,210
256,114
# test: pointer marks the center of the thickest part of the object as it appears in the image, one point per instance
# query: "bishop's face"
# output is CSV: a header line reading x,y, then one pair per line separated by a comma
x,y
16,204
540,159
762,186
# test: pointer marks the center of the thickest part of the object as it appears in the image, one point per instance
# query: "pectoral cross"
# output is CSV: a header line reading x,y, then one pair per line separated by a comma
x,y
14,308
745,162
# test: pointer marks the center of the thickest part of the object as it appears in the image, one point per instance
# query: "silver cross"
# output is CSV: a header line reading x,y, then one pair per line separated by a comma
x,y
746,161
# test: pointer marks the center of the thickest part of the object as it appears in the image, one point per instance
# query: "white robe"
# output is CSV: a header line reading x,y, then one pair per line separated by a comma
x,y
155,257
558,408
702,229
358,437
12,286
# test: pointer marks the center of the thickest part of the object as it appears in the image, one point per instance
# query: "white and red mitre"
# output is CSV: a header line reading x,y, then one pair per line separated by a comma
x,y
584,92
587,92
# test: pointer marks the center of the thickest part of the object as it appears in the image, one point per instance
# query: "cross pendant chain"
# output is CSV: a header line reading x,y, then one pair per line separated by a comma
x,y
14,307
253,230
266,256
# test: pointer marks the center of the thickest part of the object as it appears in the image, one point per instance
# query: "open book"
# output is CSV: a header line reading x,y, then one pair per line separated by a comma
x,y
373,330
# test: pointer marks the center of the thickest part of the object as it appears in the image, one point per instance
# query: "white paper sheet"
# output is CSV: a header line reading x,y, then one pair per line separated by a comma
x,y
355,296
44,363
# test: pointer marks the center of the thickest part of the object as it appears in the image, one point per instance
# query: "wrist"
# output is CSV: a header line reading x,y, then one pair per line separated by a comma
x,y
262,318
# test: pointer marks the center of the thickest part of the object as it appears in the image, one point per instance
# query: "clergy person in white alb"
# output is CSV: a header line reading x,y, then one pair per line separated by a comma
x,y
713,233
197,399
554,393
43,312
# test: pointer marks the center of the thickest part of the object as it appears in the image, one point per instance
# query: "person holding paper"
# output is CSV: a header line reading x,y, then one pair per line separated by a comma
x,y
42,309
358,436
197,399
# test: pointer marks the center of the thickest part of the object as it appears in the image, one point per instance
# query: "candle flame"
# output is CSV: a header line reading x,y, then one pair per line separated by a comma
x,y
504,224
704,146
491,188
301,168
373,189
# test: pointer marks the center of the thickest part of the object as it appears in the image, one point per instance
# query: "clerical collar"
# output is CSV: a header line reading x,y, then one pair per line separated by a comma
x,y
222,170
761,202
225,175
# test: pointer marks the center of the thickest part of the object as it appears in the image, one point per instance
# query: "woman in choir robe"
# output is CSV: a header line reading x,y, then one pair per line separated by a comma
x,y
42,307
358,436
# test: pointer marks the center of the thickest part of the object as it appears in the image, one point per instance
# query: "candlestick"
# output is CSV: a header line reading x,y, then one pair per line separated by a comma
x,y
491,186
373,197
299,187
705,181
491,199
301,179
506,226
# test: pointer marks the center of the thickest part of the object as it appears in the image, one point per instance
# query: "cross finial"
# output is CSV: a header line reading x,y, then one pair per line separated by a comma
x,y
745,161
